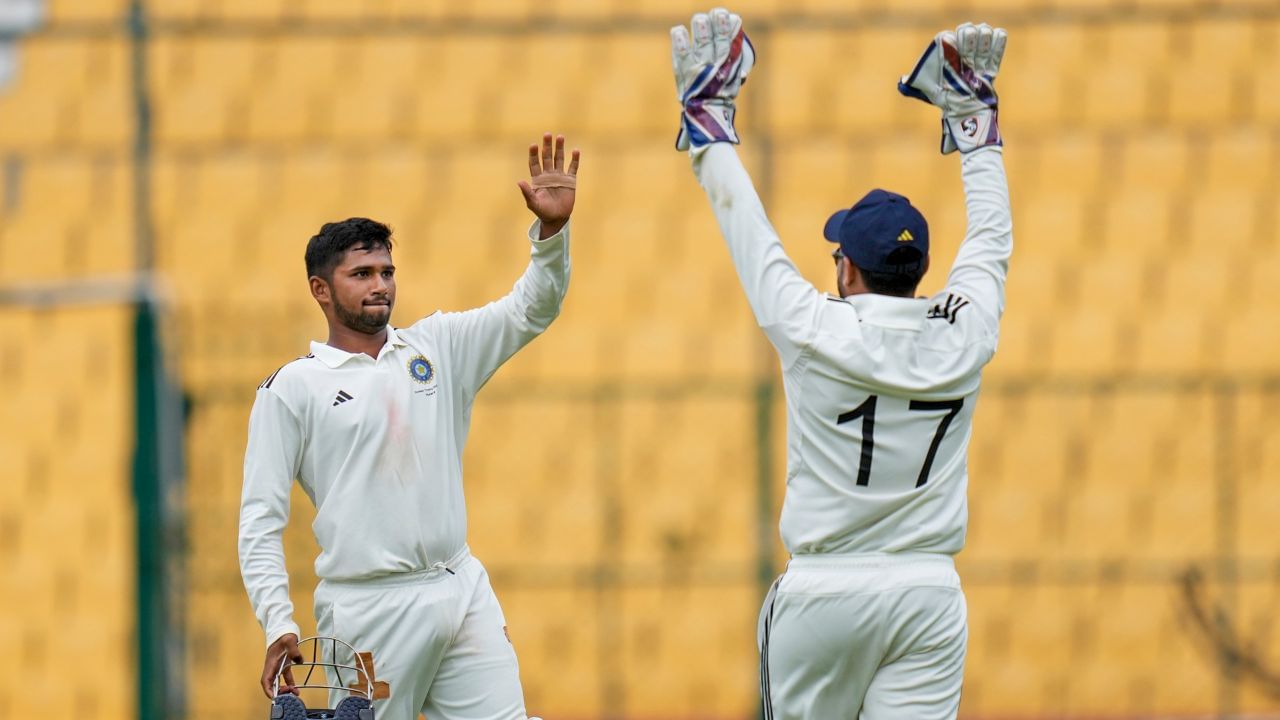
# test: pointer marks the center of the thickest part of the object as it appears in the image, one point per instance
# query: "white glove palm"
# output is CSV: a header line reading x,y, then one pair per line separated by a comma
x,y
710,69
957,73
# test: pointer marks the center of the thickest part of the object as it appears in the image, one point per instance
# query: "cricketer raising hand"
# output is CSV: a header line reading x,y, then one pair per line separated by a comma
x,y
869,620
372,424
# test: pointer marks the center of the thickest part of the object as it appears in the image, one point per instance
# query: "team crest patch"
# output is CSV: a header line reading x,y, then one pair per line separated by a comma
x,y
420,369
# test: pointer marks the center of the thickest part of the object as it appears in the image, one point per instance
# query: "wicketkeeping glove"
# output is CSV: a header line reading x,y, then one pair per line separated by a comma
x,y
957,73
710,70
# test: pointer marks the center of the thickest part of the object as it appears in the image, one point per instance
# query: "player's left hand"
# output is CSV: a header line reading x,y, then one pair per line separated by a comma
x,y
711,59
957,73
551,189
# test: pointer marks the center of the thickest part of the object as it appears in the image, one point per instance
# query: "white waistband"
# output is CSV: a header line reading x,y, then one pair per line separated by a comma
x,y
869,572
869,561
435,572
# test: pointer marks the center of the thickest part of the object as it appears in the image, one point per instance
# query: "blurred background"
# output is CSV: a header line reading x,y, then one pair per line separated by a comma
x,y
163,163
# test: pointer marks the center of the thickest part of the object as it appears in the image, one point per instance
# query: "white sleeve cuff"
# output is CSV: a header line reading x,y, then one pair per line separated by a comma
x,y
281,631
536,229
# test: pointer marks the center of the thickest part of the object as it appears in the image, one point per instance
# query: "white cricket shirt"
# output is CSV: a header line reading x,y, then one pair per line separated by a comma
x,y
377,443
880,391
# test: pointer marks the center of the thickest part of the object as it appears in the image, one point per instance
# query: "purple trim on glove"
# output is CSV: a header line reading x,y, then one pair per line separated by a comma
x,y
975,83
702,126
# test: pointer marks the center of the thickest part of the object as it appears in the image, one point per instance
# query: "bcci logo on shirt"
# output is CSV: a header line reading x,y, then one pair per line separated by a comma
x,y
420,369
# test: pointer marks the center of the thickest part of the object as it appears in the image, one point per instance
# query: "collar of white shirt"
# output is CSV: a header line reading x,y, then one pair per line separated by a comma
x,y
886,311
333,357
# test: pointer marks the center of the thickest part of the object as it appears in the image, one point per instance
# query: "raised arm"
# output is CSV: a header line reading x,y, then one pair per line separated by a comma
x,y
784,303
982,264
484,338
271,463
711,60
957,73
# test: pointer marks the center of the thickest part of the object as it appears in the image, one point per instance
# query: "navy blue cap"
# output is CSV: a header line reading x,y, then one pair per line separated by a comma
x,y
882,232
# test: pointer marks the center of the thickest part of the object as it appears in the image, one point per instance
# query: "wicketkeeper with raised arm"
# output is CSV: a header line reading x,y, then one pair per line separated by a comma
x,y
869,619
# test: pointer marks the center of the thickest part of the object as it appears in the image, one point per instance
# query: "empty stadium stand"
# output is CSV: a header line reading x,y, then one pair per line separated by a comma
x,y
1127,432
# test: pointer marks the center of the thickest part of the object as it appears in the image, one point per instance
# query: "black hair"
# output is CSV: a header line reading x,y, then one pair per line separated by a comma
x,y
902,281
326,248
891,283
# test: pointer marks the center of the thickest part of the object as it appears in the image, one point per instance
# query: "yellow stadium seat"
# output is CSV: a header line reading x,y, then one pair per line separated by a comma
x,y
1163,4
529,105
502,10
1014,511
862,93
1226,44
291,97
104,238
1263,272
1138,225
373,105
1024,335
797,73
1223,221
226,188
1239,159
1246,347
1078,156
579,9
1265,65
202,86
89,10
809,182
336,10
106,111
1147,43
1212,278
39,108
1113,283
909,164
394,187
1060,216
735,350
677,11
1118,95
665,629
183,10
1170,340
534,496
266,10
56,201
1201,95
1043,87
452,106
1122,88
1125,662
1088,341
1157,161
654,350
558,644
634,92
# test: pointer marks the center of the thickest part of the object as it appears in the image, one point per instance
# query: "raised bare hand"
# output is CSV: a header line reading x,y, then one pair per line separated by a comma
x,y
550,190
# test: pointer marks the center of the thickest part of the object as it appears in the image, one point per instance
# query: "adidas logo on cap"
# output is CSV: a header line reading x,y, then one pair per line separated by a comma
x,y
906,236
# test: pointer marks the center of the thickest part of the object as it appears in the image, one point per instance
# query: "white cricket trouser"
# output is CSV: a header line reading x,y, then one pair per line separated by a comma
x,y
868,636
438,637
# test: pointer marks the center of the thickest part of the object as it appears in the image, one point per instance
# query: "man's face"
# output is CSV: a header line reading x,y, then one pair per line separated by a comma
x,y
364,289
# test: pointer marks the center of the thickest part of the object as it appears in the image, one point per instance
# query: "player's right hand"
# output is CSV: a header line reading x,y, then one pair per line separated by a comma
x,y
957,73
277,652
710,67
